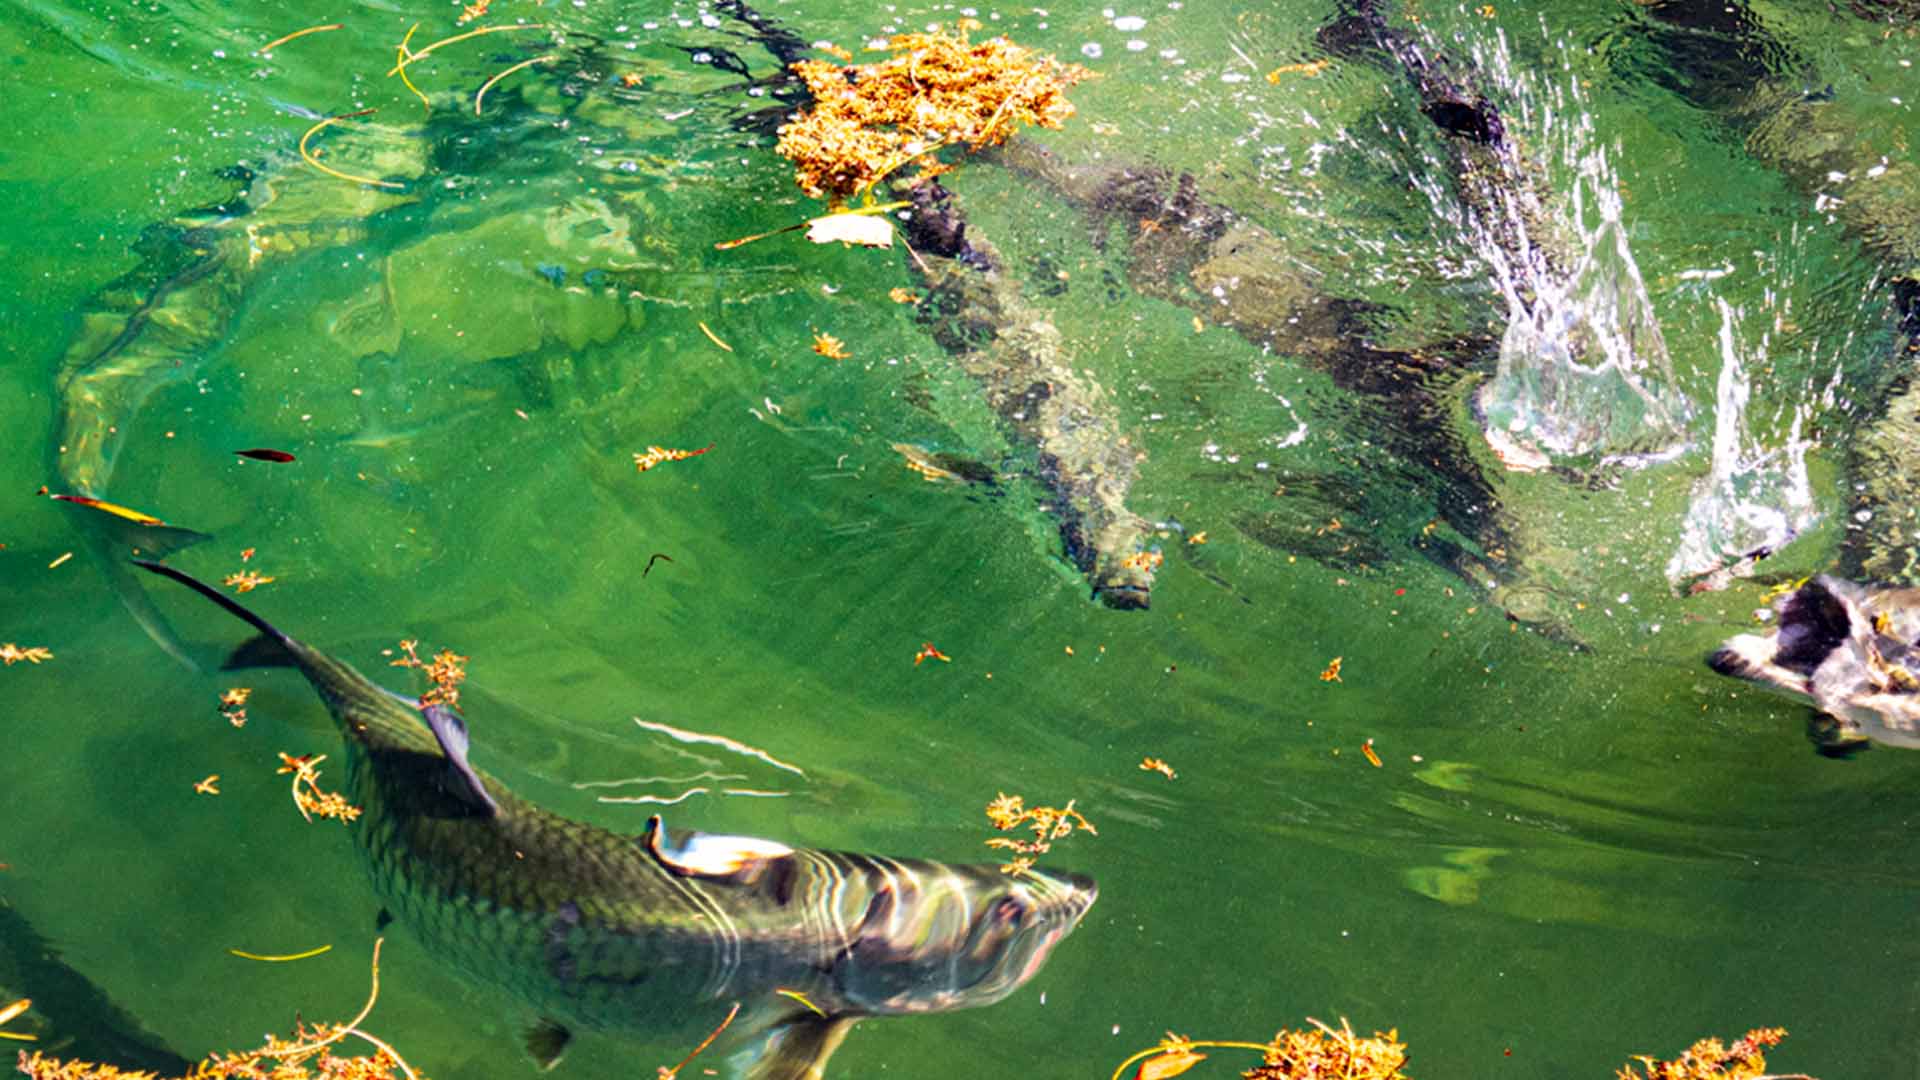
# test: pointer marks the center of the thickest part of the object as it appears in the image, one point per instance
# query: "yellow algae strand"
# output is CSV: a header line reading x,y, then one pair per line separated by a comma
x,y
244,955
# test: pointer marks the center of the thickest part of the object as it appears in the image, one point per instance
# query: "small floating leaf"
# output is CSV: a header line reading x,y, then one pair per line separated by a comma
x,y
867,230
1168,1065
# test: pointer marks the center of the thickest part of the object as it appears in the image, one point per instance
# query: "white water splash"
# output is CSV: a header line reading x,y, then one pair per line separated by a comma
x,y
1584,374
1584,370
1755,498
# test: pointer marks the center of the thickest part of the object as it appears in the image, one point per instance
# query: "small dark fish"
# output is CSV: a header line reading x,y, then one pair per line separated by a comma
x,y
259,454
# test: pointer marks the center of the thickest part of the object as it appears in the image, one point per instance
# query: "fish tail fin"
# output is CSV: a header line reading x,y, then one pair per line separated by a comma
x,y
367,715
259,651
234,607
799,1049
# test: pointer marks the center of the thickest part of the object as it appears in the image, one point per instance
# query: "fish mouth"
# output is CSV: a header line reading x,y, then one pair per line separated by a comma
x,y
1070,896
1088,891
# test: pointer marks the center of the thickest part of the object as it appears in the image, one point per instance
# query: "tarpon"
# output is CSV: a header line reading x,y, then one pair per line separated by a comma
x,y
651,933
1851,651
157,323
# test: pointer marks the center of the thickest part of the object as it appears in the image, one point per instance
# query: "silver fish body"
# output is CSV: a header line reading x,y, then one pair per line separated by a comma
x,y
658,932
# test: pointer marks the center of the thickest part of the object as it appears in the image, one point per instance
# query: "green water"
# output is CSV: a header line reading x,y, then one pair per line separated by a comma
x,y
1600,851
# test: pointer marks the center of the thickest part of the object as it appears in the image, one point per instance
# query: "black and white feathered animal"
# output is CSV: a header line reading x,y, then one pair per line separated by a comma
x,y
1848,649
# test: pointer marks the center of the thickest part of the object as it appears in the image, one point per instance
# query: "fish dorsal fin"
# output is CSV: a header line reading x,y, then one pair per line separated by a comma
x,y
799,1049
547,1041
737,860
451,733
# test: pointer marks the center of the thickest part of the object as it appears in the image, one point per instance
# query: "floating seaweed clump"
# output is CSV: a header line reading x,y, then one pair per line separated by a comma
x,y
936,91
307,1055
1710,1059
1322,1051
1008,812
1315,1053
448,669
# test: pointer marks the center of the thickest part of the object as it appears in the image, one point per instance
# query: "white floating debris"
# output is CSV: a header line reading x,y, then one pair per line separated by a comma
x,y
1091,50
1713,274
1129,23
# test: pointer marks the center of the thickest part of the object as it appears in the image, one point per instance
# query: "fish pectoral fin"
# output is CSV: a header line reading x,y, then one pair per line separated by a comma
x,y
798,1049
451,733
547,1041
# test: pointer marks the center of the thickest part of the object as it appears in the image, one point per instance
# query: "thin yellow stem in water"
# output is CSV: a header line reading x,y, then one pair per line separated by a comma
x,y
385,1048
269,46
411,57
729,245
401,57
280,959
488,85
715,338
307,155
731,1013
340,1031
802,999
1152,1050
